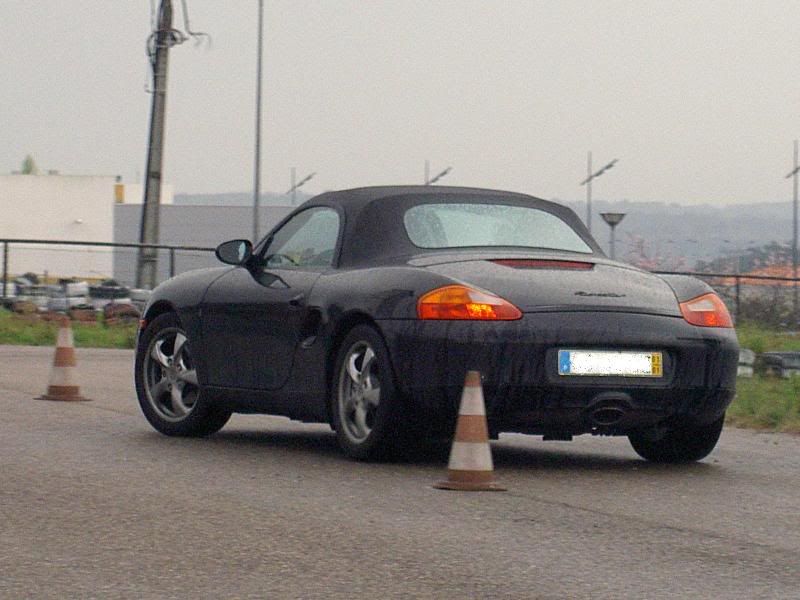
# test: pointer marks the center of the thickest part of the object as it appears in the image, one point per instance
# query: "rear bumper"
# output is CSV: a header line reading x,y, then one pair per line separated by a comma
x,y
522,388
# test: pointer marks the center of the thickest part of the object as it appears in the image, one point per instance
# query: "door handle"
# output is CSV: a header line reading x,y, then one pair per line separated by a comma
x,y
297,301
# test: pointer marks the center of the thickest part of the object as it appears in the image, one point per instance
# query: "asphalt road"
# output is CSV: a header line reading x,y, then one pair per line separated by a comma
x,y
94,504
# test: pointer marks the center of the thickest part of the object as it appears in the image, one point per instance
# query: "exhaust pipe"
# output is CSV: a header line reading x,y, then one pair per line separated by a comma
x,y
608,409
607,416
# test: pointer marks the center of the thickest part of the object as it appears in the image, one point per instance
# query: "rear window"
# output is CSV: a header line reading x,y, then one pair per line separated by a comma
x,y
465,225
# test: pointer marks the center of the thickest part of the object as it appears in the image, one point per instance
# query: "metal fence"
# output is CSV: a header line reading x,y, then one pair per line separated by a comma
x,y
766,299
68,259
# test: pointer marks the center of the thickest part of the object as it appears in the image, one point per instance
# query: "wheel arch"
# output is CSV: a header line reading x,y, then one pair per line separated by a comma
x,y
159,308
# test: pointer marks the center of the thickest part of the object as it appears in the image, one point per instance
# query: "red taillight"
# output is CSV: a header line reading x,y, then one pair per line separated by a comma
x,y
706,311
459,302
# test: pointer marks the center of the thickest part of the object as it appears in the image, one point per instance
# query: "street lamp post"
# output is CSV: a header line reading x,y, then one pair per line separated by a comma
x,y
296,186
257,158
430,180
793,175
612,219
588,183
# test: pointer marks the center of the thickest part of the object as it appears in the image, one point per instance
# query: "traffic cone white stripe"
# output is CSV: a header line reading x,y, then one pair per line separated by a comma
x,y
472,402
469,456
62,376
64,339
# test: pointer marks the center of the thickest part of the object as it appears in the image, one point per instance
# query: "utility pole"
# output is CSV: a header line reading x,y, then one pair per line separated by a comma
x,y
158,45
147,264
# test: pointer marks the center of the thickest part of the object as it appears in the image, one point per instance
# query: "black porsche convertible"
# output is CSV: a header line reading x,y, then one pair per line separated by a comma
x,y
364,309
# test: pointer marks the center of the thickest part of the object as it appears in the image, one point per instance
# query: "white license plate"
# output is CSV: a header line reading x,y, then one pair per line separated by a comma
x,y
605,363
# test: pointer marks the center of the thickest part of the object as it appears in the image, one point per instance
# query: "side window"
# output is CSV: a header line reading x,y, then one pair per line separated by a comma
x,y
307,240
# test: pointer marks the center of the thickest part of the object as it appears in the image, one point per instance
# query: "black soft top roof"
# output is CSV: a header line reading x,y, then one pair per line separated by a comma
x,y
373,216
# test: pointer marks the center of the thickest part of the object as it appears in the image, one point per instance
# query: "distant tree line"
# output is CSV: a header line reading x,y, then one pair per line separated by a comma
x,y
748,260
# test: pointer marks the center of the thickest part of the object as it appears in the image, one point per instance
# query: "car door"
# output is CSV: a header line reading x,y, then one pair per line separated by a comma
x,y
253,316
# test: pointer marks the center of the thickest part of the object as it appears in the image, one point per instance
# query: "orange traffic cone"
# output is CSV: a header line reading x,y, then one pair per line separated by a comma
x,y
470,468
62,384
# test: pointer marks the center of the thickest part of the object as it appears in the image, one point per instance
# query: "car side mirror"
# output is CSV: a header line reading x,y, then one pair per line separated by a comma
x,y
234,252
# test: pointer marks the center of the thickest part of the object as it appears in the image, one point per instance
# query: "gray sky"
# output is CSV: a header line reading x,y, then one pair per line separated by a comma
x,y
700,101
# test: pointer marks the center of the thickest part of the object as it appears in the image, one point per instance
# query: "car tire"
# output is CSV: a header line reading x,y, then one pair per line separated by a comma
x,y
685,444
166,382
365,403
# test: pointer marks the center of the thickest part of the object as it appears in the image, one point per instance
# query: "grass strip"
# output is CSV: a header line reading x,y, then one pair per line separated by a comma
x,y
759,339
769,403
28,331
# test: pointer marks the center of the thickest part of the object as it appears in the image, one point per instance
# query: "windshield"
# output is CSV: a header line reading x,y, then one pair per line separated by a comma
x,y
466,225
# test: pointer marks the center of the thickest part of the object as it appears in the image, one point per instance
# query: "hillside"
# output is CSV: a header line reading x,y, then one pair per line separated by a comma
x,y
676,236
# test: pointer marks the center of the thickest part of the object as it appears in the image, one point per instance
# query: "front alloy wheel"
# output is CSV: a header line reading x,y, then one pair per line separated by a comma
x,y
166,382
170,377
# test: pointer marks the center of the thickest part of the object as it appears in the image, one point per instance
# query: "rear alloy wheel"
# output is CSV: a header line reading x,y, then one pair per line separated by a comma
x,y
678,445
365,402
166,382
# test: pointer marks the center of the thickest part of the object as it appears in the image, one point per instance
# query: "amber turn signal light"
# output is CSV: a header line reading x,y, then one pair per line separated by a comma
x,y
706,311
459,302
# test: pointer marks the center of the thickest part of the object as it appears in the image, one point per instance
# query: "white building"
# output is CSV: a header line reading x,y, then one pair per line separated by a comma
x,y
100,208
63,207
